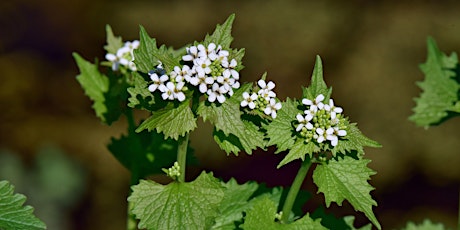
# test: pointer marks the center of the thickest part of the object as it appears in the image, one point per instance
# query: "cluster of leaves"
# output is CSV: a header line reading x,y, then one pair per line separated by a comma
x,y
207,202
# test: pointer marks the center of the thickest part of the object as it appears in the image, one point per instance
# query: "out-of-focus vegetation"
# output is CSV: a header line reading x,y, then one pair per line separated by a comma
x,y
376,44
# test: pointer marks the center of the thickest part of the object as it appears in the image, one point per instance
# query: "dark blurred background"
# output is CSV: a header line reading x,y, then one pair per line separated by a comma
x,y
370,50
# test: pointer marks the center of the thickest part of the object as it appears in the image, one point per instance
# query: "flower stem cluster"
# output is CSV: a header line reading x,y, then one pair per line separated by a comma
x,y
321,122
264,100
207,68
174,171
124,56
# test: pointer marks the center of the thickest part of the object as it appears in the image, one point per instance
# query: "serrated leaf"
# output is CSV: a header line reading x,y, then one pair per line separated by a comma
x,y
147,56
13,214
222,35
354,141
233,204
144,153
279,131
236,135
173,121
262,216
298,151
113,43
347,179
317,83
192,205
93,83
426,225
140,96
439,88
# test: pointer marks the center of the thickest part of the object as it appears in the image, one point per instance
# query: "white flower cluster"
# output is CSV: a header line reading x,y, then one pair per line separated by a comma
x,y
264,99
207,68
172,87
321,122
124,56
211,71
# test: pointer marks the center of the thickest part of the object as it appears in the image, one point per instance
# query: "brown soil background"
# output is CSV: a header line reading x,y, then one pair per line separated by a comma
x,y
370,50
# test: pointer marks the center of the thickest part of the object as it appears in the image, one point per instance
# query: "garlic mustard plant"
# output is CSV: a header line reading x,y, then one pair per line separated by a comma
x,y
202,80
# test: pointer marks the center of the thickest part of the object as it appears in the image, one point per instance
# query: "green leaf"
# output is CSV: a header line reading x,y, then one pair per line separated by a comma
x,y
426,225
347,179
262,216
349,220
93,83
298,151
234,203
317,84
173,121
144,153
113,43
232,133
192,205
13,214
439,89
222,34
354,141
140,96
280,130
147,56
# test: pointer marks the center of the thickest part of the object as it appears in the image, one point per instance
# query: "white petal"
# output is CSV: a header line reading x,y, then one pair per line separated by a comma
x,y
299,127
300,118
261,83
180,96
270,85
319,98
306,101
203,88
244,103
221,98
342,133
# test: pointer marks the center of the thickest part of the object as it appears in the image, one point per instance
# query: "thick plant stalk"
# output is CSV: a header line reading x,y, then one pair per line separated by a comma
x,y
182,156
294,190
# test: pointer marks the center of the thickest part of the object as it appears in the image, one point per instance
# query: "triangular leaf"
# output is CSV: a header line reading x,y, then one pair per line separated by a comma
x,y
93,83
317,84
172,121
222,34
347,179
13,214
113,43
234,203
280,130
354,141
148,56
235,134
192,205
439,89
262,216
298,151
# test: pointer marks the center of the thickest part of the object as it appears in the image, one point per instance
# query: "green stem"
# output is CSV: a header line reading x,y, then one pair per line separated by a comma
x,y
294,190
182,156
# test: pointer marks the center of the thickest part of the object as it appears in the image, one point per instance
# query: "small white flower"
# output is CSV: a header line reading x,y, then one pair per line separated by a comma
x,y
202,66
272,107
249,100
304,121
157,81
316,104
168,91
321,135
333,109
178,93
181,74
192,54
216,93
230,68
263,85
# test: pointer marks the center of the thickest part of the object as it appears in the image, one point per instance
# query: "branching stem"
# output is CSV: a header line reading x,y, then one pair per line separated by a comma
x,y
294,190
